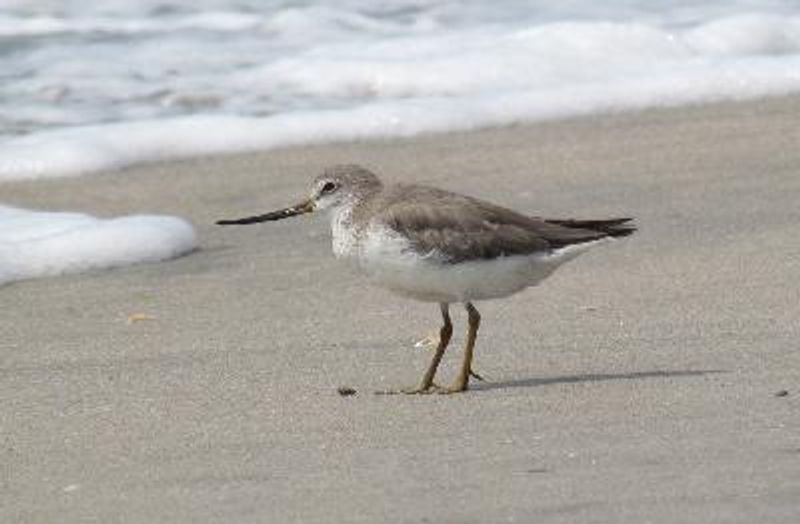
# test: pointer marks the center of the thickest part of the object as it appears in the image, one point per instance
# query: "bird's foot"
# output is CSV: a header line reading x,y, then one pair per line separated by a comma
x,y
413,390
457,387
474,374
431,341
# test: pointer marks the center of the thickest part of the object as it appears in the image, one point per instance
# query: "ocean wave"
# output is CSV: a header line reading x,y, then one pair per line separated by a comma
x,y
231,77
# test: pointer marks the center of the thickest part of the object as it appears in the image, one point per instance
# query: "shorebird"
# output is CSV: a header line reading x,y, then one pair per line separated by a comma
x,y
437,246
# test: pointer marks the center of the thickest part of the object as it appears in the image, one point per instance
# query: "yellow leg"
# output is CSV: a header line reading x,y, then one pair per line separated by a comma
x,y
432,340
462,380
444,339
445,333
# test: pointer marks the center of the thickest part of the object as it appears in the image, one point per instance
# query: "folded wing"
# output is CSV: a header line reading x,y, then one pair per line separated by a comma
x,y
462,228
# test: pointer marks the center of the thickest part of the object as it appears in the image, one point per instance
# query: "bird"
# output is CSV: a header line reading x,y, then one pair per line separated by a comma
x,y
438,246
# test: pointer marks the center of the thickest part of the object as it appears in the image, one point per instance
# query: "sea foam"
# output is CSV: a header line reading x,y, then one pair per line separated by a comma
x,y
37,244
222,77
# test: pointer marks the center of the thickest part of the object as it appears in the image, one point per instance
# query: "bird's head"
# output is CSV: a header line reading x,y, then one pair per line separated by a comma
x,y
336,187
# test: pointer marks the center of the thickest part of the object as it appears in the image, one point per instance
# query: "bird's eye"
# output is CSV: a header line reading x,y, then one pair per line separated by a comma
x,y
328,187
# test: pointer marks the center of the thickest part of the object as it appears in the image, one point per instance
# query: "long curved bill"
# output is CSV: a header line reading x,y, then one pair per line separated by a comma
x,y
299,209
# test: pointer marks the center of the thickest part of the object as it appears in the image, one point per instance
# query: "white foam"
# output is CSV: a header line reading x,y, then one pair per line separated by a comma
x,y
237,76
37,244
11,25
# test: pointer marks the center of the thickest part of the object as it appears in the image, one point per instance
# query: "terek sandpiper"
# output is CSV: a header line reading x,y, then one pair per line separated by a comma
x,y
436,246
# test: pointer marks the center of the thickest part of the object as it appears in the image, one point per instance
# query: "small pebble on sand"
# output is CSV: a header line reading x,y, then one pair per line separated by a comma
x,y
346,391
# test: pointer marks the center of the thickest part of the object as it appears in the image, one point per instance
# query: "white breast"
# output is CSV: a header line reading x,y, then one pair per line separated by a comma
x,y
344,235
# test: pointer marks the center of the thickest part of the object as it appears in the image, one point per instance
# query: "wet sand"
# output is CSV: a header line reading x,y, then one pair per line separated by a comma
x,y
653,380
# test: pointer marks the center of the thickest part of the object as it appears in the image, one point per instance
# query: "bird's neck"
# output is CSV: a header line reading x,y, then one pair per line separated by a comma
x,y
343,230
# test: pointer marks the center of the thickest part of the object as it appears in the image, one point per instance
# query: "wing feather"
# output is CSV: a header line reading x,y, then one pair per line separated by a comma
x,y
462,228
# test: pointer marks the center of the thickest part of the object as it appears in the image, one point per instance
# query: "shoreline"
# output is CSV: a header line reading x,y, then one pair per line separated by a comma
x,y
763,101
643,381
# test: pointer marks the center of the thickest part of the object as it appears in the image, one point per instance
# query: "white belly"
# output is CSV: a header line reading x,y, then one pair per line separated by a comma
x,y
389,262
466,281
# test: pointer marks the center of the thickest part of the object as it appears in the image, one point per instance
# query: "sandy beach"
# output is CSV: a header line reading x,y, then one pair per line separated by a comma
x,y
653,380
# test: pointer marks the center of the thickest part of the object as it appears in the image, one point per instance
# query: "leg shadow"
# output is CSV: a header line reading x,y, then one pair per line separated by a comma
x,y
591,377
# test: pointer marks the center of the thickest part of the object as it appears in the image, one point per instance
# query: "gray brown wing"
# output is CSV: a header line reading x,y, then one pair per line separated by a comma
x,y
462,228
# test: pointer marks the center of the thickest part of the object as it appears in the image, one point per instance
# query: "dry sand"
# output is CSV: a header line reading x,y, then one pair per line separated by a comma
x,y
639,384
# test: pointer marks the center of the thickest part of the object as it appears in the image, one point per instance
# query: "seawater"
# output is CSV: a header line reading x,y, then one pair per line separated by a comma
x,y
90,86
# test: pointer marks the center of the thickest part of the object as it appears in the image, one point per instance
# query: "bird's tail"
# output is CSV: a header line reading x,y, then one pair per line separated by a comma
x,y
613,227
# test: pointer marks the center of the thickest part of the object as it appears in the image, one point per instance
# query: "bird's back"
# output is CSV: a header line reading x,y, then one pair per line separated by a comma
x,y
463,228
